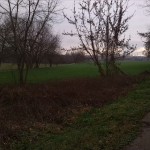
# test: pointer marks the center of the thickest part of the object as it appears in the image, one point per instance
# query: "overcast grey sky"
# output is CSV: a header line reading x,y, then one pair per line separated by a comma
x,y
139,23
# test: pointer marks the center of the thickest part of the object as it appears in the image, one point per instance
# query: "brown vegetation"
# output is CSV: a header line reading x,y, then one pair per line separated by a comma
x,y
34,106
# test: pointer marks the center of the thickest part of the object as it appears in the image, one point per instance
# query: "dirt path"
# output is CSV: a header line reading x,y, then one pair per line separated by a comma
x,y
143,141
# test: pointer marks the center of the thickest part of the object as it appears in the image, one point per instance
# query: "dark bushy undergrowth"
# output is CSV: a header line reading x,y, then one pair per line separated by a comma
x,y
37,105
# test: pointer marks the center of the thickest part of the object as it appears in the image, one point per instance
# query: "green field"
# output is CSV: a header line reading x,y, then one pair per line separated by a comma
x,y
8,73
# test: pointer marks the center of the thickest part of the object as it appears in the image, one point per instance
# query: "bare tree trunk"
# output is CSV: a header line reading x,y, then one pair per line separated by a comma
x,y
21,64
37,64
50,63
26,73
101,70
21,76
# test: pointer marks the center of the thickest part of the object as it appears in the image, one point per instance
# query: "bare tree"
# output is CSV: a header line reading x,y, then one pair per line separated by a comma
x,y
146,35
147,6
45,47
52,47
22,15
2,45
6,41
100,27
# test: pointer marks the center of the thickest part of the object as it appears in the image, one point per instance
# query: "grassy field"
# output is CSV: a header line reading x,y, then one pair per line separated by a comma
x,y
53,73
8,74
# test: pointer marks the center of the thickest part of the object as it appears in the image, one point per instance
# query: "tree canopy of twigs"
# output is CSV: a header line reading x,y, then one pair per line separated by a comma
x,y
100,27
146,35
25,20
147,6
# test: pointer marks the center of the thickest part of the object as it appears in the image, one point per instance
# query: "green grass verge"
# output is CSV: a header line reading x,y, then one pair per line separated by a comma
x,y
135,67
55,73
108,128
8,76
